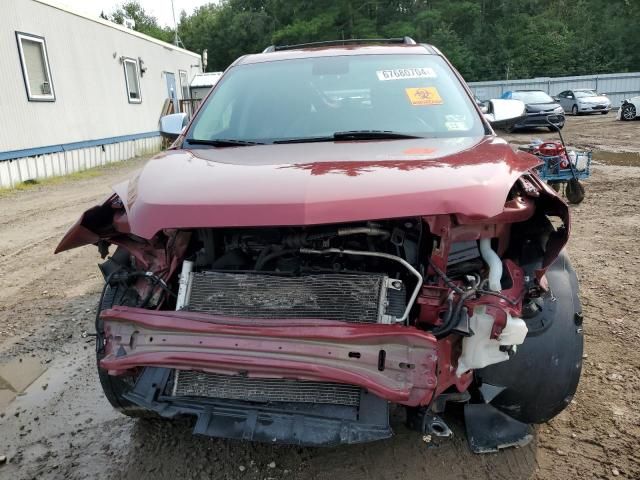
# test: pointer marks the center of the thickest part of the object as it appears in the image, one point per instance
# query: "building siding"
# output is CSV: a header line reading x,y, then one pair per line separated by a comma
x,y
88,79
15,171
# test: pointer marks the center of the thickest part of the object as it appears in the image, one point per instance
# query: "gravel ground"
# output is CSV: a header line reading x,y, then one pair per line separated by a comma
x,y
63,428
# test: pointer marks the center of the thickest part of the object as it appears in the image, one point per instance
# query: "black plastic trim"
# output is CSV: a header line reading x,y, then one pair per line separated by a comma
x,y
276,423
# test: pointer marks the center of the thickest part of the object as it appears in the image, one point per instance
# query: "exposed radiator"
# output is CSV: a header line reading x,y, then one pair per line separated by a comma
x,y
368,298
234,387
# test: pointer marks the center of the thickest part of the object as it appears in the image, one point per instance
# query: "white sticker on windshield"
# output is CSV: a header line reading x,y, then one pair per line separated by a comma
x,y
404,73
452,126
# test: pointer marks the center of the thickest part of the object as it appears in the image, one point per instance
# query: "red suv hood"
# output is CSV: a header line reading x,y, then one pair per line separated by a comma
x,y
305,184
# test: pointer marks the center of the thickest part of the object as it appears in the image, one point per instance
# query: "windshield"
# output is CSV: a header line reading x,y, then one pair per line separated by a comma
x,y
532,97
414,95
585,93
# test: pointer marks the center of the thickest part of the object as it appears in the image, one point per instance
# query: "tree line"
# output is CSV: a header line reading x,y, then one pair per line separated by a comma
x,y
484,39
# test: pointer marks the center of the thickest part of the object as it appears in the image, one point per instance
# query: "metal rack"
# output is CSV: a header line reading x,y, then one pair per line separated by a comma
x,y
349,41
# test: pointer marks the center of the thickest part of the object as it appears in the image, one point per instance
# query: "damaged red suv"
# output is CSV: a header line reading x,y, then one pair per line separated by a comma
x,y
338,230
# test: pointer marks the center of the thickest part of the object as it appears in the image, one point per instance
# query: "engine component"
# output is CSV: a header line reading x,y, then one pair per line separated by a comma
x,y
494,262
463,252
407,265
480,350
235,387
360,298
187,268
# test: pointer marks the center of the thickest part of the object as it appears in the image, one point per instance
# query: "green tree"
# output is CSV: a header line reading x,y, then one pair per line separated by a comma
x,y
144,23
484,39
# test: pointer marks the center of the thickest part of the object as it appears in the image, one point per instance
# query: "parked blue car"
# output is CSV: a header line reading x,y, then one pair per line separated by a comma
x,y
541,109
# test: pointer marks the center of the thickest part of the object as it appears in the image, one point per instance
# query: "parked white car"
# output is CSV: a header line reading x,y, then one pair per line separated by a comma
x,y
583,100
630,109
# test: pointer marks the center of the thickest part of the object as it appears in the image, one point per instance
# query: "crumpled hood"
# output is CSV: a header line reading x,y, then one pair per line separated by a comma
x,y
316,183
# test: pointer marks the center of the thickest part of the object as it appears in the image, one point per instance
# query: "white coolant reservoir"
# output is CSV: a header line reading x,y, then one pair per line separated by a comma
x,y
480,350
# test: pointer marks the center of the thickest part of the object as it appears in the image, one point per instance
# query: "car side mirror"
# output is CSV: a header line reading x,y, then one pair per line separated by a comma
x,y
171,126
557,99
504,113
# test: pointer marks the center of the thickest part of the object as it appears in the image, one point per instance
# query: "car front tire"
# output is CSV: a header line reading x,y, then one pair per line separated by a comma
x,y
574,110
114,388
628,112
541,378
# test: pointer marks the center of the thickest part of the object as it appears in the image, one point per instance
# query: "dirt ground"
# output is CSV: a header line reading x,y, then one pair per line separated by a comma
x,y
62,427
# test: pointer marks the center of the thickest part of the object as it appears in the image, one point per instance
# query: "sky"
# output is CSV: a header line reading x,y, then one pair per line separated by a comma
x,y
161,9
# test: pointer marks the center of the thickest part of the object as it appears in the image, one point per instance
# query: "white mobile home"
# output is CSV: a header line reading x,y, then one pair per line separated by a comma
x,y
79,91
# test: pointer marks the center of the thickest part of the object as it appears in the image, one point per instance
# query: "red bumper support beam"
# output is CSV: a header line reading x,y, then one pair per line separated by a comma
x,y
394,362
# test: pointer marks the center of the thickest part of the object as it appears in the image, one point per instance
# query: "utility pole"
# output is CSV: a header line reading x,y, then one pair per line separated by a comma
x,y
176,39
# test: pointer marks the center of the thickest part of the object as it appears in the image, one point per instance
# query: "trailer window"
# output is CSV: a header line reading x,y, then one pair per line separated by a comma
x,y
132,79
35,68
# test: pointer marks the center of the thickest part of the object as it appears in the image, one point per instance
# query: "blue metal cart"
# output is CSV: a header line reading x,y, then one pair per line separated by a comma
x,y
565,170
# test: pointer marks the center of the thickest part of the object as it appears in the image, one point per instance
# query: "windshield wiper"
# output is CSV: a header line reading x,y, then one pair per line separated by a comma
x,y
352,135
222,142
371,135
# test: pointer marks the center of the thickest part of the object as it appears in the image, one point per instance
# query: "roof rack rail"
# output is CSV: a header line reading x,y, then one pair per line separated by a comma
x,y
349,41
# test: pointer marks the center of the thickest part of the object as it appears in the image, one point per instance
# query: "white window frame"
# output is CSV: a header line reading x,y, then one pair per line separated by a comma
x,y
126,79
35,97
182,87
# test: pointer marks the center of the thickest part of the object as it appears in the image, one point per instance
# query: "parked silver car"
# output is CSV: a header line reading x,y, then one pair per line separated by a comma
x,y
583,100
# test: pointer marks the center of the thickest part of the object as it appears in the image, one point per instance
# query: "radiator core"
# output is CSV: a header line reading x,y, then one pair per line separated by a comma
x,y
361,298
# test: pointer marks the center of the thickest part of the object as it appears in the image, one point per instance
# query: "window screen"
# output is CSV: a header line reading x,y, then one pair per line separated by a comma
x,y
35,67
132,80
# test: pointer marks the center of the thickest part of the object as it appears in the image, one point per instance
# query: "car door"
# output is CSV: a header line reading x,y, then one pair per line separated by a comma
x,y
564,101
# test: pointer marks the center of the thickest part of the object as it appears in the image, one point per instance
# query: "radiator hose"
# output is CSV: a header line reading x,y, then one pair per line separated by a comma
x,y
494,262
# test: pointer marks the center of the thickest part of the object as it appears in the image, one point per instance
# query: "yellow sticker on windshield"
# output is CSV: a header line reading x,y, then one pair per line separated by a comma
x,y
424,96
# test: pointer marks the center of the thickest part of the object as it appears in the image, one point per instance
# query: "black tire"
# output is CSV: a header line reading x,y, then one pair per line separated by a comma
x,y
574,110
114,388
605,112
628,112
574,191
542,377
559,125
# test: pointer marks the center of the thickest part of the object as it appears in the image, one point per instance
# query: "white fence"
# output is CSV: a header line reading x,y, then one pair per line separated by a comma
x,y
617,86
